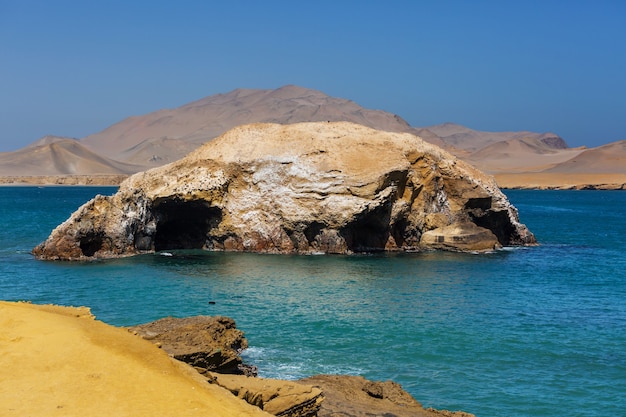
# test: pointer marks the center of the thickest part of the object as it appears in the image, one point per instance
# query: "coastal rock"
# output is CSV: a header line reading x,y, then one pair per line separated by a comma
x,y
275,396
460,236
206,343
301,188
355,396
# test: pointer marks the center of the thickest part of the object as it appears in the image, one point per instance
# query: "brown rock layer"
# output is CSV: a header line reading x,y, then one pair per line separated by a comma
x,y
302,188
355,396
196,340
206,343
278,397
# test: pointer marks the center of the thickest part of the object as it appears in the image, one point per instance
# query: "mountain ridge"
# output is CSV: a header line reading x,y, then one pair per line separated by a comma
x,y
145,141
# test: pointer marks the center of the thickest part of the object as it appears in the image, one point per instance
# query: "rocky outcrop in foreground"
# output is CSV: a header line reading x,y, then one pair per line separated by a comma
x,y
275,396
206,343
328,396
196,340
212,346
355,396
302,188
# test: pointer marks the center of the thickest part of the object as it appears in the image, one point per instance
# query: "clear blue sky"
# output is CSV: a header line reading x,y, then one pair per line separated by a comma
x,y
73,68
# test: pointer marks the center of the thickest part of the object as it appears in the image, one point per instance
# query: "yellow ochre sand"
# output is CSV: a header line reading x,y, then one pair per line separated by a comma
x,y
60,361
563,181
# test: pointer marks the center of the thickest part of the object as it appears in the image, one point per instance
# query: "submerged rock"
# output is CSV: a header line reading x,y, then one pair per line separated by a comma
x,y
301,188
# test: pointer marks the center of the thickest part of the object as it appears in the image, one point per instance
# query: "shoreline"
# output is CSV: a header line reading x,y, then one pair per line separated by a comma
x,y
558,181
62,361
506,181
119,370
62,180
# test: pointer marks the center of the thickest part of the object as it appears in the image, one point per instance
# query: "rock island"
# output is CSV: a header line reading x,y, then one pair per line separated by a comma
x,y
304,188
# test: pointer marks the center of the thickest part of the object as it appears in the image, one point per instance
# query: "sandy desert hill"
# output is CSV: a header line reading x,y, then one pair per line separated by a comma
x,y
48,140
462,137
527,154
59,156
537,160
609,158
141,142
165,135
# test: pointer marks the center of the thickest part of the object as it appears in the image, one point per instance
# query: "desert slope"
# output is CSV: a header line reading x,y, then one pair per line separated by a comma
x,y
602,168
59,156
462,137
154,139
62,362
537,160
200,121
157,138
606,159
519,155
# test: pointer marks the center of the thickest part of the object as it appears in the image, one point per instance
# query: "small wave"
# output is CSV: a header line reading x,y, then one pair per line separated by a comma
x,y
253,352
272,363
513,248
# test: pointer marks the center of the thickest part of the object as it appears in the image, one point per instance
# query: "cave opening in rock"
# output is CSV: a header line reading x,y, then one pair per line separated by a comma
x,y
91,244
499,224
184,224
370,232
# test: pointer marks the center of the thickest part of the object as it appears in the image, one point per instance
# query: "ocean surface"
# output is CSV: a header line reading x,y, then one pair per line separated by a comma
x,y
535,331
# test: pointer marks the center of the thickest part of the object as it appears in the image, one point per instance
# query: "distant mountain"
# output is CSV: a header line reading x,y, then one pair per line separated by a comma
x,y
141,142
50,139
166,135
530,154
609,158
497,152
462,137
59,156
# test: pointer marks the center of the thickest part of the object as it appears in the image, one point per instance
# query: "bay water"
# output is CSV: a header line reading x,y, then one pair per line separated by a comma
x,y
537,331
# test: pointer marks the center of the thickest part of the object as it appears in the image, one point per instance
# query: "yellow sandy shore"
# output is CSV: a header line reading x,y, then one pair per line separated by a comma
x,y
562,181
63,180
60,361
530,180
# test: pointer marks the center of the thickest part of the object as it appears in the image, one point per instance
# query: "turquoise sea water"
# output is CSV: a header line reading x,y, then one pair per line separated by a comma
x,y
522,332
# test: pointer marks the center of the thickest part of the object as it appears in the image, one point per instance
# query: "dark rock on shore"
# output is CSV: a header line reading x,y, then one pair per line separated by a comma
x,y
212,346
206,343
355,396
277,397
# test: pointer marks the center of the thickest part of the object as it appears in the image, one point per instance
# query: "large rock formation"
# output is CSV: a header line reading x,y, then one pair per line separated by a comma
x,y
302,188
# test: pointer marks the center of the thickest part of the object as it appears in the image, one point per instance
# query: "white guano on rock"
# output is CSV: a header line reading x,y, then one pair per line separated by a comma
x,y
302,188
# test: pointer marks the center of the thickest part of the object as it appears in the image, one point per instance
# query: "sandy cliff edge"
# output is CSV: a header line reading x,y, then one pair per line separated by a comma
x,y
60,361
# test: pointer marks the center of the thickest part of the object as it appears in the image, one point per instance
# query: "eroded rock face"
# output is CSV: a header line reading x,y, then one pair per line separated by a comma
x,y
209,344
355,396
302,188
277,397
